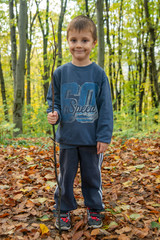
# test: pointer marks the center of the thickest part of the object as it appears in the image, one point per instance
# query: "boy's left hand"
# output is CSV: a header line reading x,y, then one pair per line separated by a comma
x,y
101,147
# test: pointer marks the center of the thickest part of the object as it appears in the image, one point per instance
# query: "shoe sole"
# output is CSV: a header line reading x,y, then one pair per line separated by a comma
x,y
95,226
62,228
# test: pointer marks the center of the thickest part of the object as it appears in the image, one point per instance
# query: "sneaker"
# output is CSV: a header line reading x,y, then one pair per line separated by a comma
x,y
65,221
94,218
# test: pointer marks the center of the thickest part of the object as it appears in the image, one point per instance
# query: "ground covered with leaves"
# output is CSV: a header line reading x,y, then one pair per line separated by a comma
x,y
131,189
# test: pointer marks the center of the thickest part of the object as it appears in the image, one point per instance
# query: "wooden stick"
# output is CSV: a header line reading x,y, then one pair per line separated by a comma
x,y
54,143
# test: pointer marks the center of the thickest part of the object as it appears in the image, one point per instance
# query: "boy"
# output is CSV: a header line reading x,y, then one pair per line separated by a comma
x,y
83,110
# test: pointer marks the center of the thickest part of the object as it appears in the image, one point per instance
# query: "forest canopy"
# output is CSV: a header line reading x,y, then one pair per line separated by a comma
x,y
128,49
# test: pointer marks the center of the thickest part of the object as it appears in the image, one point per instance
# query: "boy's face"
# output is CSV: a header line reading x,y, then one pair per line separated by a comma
x,y
80,46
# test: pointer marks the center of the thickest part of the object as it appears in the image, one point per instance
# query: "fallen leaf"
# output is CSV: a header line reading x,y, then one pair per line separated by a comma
x,y
123,237
141,233
124,230
44,229
155,225
78,225
135,216
95,232
4,215
44,218
29,204
63,236
77,235
113,225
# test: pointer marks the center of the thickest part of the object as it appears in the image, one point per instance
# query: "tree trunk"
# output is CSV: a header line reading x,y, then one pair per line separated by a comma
x,y
20,69
29,48
13,41
45,33
60,22
110,49
3,92
119,72
141,89
152,29
100,24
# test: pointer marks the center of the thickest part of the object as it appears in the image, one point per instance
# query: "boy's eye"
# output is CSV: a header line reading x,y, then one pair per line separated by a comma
x,y
85,40
73,40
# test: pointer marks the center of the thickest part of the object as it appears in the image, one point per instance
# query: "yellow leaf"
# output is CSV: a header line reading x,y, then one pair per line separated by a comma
x,y
159,220
158,179
28,158
44,228
117,158
127,184
24,190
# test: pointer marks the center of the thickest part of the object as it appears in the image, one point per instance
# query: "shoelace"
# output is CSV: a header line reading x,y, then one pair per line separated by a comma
x,y
65,219
94,217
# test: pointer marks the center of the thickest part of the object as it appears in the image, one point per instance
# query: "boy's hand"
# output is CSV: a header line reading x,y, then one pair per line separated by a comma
x,y
52,117
101,147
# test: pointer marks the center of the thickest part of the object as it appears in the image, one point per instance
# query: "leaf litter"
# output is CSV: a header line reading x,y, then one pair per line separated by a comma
x,y
131,193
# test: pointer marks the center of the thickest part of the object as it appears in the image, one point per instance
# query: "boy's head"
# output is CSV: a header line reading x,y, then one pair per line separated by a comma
x,y
81,23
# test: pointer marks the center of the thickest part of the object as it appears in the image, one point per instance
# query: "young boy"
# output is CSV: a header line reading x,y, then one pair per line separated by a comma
x,y
83,110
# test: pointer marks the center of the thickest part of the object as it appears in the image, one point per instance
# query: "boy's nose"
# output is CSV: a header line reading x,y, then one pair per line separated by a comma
x,y
78,44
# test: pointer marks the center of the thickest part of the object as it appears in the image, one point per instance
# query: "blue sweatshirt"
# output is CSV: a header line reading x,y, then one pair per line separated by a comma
x,y
82,99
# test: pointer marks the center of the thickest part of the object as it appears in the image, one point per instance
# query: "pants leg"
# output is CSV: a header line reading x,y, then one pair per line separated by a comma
x,y
90,165
68,170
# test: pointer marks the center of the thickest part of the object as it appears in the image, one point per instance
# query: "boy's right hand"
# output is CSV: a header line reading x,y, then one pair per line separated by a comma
x,y
52,117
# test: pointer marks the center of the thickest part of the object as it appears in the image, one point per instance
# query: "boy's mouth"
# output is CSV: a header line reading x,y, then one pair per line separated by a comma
x,y
79,51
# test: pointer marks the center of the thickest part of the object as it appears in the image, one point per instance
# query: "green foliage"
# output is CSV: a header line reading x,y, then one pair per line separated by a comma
x,y
127,124
35,121
6,130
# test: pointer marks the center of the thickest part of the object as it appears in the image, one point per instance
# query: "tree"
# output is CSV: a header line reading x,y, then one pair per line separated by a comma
x,y
60,22
30,22
152,30
20,69
3,92
110,48
13,41
100,24
45,34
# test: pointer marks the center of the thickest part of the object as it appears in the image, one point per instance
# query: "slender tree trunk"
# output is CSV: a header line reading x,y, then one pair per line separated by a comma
x,y
29,48
141,90
45,33
20,69
114,69
110,48
119,72
28,76
152,29
3,92
13,41
28,65
100,33
60,22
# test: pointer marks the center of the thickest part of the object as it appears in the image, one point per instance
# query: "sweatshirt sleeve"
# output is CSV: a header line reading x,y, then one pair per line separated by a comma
x,y
105,113
56,97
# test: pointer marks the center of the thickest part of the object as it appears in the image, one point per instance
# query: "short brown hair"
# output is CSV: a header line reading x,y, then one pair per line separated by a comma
x,y
80,23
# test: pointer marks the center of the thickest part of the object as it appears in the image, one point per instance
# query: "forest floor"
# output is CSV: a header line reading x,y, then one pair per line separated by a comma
x,y
131,192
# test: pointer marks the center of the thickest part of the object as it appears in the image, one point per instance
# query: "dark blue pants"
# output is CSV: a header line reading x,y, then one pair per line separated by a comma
x,y
90,168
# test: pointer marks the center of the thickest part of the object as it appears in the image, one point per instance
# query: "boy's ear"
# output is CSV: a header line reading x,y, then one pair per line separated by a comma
x,y
94,43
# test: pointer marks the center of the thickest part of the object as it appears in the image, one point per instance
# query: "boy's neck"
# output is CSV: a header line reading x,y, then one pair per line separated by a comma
x,y
81,63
